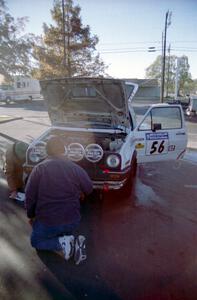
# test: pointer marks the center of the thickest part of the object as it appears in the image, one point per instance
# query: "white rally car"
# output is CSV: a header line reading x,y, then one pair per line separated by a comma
x,y
95,119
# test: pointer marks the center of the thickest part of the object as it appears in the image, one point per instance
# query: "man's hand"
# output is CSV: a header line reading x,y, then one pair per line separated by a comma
x,y
13,194
31,221
82,197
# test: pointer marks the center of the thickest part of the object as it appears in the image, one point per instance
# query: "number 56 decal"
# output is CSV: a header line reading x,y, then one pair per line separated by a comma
x,y
157,143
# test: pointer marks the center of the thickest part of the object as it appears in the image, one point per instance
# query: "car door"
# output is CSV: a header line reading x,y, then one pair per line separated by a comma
x,y
161,134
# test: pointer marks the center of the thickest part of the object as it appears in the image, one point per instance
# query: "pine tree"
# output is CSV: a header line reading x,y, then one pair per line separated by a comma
x,y
15,48
67,48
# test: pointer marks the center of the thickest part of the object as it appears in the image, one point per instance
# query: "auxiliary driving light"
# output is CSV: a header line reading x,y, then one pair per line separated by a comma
x,y
113,161
37,152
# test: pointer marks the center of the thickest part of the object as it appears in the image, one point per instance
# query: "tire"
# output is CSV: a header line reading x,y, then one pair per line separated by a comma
x,y
127,188
188,112
8,100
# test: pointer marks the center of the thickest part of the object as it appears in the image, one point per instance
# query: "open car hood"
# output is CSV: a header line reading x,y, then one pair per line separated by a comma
x,y
88,102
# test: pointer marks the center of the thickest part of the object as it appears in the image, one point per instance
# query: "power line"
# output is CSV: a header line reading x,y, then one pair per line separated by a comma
x,y
128,43
124,49
185,41
146,42
186,48
140,49
127,51
183,50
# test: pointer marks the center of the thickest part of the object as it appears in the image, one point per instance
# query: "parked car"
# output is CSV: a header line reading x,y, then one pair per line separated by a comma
x,y
174,101
191,111
2,94
184,102
95,119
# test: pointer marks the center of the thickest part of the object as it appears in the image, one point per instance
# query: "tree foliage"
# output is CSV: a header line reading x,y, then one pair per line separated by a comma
x,y
15,48
184,79
67,47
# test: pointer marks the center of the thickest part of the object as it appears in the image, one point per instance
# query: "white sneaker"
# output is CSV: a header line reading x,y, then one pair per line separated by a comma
x,y
80,249
67,245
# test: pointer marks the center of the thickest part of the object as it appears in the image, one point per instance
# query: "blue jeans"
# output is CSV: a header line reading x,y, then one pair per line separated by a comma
x,y
46,237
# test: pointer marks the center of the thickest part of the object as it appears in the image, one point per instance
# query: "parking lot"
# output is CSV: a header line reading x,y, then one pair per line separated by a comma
x,y
142,247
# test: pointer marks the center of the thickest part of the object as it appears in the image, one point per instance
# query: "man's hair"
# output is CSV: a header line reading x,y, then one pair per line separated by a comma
x,y
55,146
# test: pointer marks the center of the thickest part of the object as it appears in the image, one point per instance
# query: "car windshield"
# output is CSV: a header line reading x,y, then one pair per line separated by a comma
x,y
84,95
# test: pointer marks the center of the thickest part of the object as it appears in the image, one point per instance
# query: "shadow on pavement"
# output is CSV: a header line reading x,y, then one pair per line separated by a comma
x,y
80,282
138,249
83,281
24,276
36,105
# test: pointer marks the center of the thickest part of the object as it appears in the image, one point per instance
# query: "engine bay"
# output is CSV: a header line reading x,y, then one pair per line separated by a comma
x,y
108,141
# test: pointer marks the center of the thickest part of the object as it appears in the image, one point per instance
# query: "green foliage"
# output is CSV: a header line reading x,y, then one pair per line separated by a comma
x,y
67,48
185,80
15,48
155,69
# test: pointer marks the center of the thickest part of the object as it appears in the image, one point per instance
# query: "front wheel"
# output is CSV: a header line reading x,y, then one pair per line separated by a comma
x,y
188,112
127,188
7,100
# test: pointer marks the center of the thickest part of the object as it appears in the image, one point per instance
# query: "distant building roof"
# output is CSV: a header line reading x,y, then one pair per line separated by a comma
x,y
145,82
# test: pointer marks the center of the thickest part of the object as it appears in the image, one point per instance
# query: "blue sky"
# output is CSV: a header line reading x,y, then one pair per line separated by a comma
x,y
126,28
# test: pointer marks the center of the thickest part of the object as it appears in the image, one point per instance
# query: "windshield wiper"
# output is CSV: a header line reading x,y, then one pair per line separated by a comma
x,y
121,129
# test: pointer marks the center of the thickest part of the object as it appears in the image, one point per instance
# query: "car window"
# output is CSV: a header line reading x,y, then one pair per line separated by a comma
x,y
83,91
194,104
129,89
168,117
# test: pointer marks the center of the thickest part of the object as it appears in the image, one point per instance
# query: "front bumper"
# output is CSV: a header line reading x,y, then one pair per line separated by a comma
x,y
108,185
105,180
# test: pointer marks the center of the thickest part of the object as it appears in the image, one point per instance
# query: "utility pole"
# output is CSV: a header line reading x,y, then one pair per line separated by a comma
x,y
162,38
167,24
168,72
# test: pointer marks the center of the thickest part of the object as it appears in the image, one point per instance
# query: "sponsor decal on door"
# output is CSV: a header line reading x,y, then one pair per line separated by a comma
x,y
157,143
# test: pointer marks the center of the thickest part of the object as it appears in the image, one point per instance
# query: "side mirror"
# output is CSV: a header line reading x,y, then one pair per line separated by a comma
x,y
156,126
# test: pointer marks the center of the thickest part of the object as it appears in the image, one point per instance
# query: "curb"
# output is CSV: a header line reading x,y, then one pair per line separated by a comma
x,y
8,137
10,120
35,122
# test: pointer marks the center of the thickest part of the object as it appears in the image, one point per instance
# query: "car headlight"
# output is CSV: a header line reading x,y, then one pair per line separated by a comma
x,y
37,152
113,161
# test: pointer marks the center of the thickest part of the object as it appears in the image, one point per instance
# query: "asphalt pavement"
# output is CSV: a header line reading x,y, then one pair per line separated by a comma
x,y
139,248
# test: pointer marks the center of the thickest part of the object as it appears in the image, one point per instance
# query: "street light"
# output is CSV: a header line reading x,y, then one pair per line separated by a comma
x,y
152,49
167,24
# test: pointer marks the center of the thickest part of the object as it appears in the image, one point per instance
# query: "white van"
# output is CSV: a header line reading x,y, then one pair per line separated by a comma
x,y
23,89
